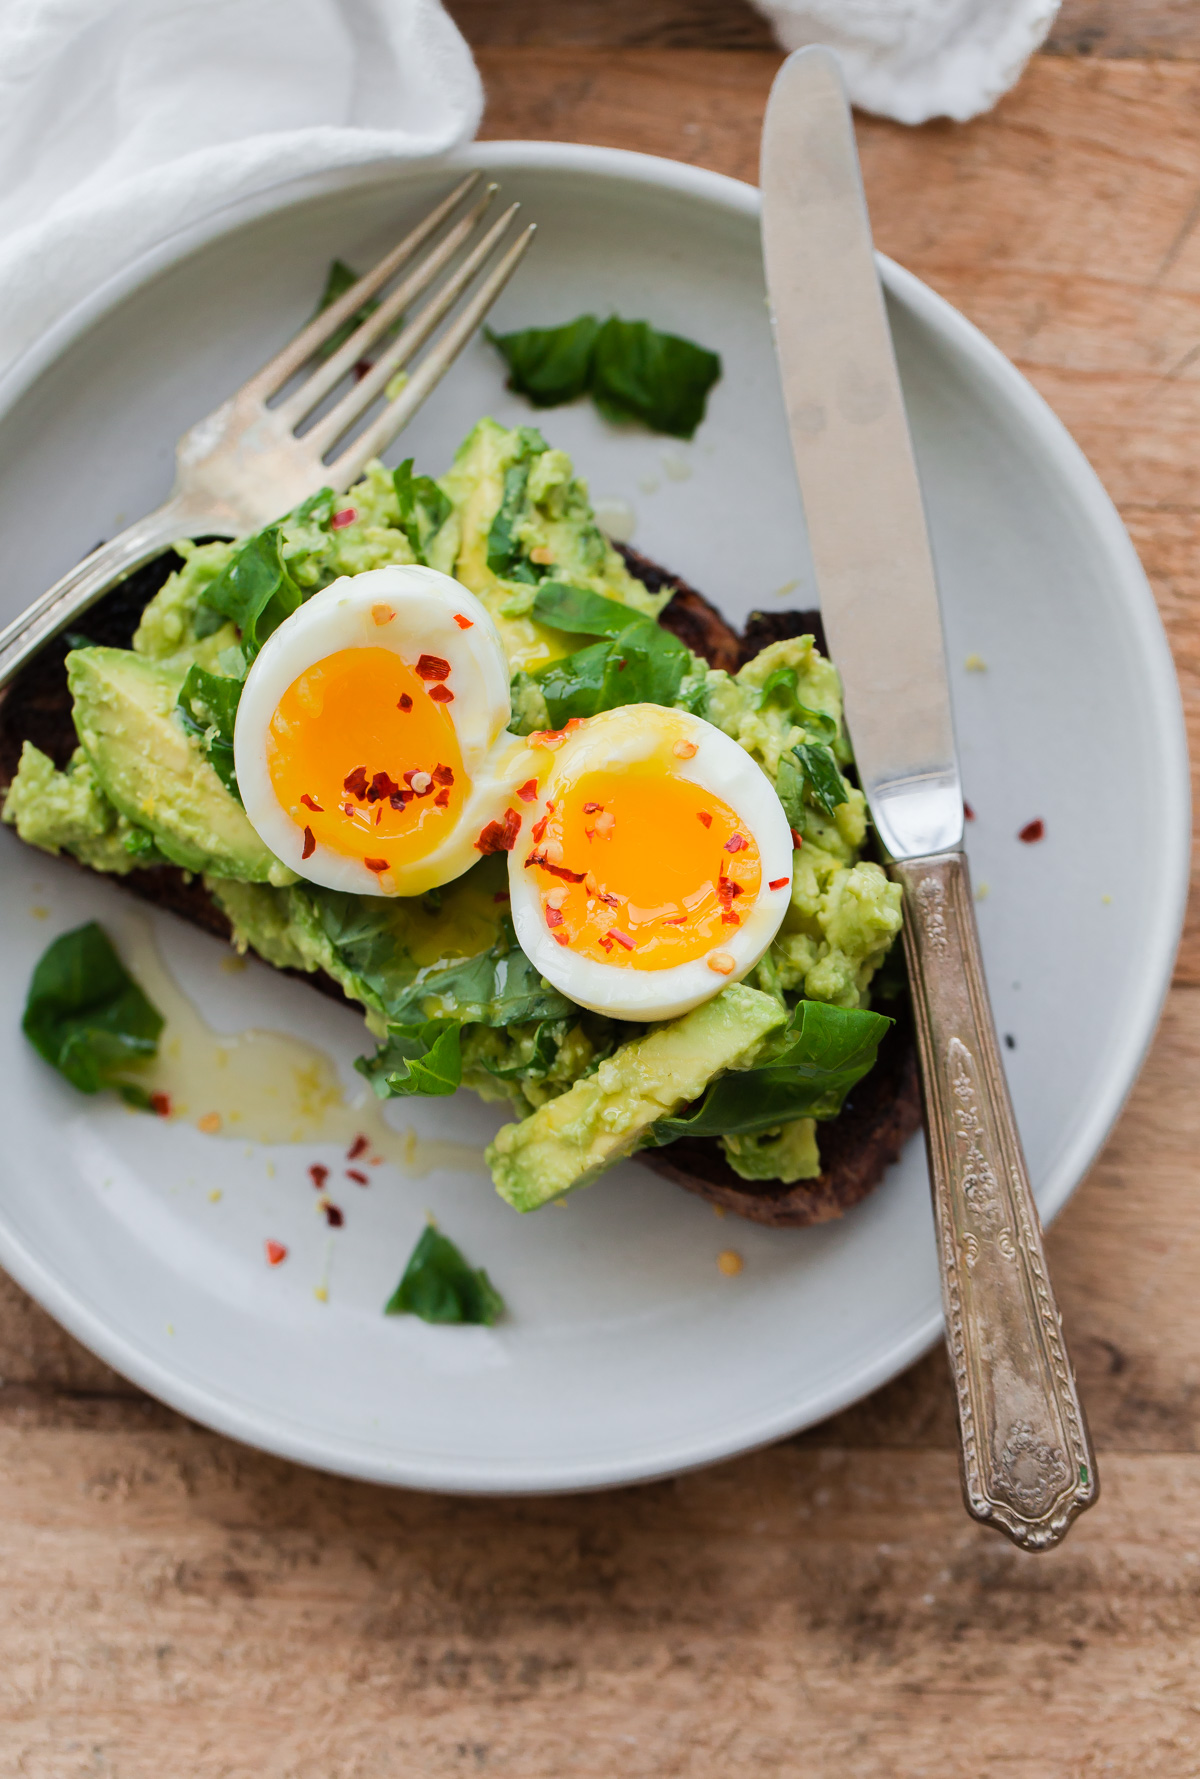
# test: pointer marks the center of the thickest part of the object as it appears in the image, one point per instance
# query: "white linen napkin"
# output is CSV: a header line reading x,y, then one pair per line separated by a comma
x,y
917,59
124,121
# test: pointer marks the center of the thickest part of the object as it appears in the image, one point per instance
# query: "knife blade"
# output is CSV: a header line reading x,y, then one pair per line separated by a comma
x,y
1026,1458
854,459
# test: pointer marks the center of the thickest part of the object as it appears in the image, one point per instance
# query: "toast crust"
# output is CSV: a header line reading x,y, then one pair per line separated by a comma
x,y
879,1115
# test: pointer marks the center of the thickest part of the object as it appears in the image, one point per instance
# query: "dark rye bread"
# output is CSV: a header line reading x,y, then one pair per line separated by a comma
x,y
879,1115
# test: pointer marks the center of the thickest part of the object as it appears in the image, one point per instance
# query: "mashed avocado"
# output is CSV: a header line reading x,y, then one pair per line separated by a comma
x,y
509,514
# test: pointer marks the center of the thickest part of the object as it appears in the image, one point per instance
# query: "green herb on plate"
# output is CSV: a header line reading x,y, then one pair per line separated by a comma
x,y
207,705
439,1286
87,1016
632,371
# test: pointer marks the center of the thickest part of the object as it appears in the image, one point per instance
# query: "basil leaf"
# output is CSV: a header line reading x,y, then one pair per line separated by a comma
x,y
642,664
416,1059
255,589
337,283
439,1286
631,370
366,935
537,1065
505,552
549,365
824,784
495,987
660,379
87,1016
424,509
783,684
824,1052
208,704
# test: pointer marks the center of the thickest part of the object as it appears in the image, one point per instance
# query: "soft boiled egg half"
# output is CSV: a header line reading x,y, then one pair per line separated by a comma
x,y
658,867
369,746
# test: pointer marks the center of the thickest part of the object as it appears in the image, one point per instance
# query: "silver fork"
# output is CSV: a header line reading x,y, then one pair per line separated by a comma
x,y
249,462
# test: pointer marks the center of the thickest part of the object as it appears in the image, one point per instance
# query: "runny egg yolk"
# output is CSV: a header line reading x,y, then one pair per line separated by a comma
x,y
642,867
364,756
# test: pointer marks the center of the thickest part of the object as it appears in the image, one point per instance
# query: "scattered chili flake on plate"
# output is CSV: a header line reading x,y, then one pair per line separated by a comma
x,y
968,812
160,1104
318,1173
333,1215
360,1179
276,1253
358,1147
1034,830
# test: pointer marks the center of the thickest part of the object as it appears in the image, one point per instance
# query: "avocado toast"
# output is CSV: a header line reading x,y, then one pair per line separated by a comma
x,y
133,781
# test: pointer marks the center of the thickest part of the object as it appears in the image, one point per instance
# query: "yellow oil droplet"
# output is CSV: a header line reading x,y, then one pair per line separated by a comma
x,y
170,1327
982,892
214,1197
719,1211
320,1292
268,1087
39,913
1107,900
975,664
730,1262
233,965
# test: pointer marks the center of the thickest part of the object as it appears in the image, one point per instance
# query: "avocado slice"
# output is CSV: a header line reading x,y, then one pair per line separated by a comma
x,y
146,765
572,1139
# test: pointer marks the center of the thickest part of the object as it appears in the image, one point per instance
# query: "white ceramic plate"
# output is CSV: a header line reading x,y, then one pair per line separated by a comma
x,y
628,1354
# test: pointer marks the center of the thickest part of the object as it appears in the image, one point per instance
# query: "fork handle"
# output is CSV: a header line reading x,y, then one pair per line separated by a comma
x,y
83,585
1027,1463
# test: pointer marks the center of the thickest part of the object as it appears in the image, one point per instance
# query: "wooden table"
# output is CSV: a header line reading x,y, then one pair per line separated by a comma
x,y
173,1606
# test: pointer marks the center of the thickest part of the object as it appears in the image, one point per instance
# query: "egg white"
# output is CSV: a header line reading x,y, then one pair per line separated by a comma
x,y
621,737
340,617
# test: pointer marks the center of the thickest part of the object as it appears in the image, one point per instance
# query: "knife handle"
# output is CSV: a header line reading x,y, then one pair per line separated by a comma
x,y
1027,1462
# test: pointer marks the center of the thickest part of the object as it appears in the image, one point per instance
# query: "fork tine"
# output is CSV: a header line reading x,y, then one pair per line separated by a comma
x,y
358,399
328,375
378,436
275,373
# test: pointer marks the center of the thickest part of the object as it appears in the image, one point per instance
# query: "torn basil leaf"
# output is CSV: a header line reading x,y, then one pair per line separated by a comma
x,y
660,379
506,554
783,686
823,1052
87,1016
207,705
632,370
823,782
549,365
256,588
439,1286
641,664
495,987
416,1059
424,509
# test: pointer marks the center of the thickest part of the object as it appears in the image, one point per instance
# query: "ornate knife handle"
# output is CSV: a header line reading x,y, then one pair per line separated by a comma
x,y
1027,1463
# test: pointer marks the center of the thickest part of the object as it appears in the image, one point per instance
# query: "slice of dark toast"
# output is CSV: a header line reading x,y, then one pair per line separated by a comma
x,y
880,1114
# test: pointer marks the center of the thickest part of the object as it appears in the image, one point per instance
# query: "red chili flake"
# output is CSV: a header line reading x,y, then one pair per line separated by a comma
x,y
797,840
333,1216
592,808
538,829
382,785
539,858
311,803
160,1104
358,1147
554,917
359,1178
347,516
678,920
441,695
563,938
777,883
620,937
730,919
398,799
606,943
310,845
433,667
348,809
611,901
735,843
443,775
376,865
276,1252
968,811
442,800
356,782
464,623
501,896
379,815
500,836
527,791
703,816
318,1173
549,808
1034,830
404,702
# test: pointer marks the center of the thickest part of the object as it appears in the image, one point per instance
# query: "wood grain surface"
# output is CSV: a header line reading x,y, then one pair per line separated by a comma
x,y
173,1604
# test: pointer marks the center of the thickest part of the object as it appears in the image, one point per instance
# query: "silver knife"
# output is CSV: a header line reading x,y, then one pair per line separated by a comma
x,y
1027,1462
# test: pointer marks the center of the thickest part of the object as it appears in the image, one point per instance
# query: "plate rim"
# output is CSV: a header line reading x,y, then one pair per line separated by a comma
x,y
177,1387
